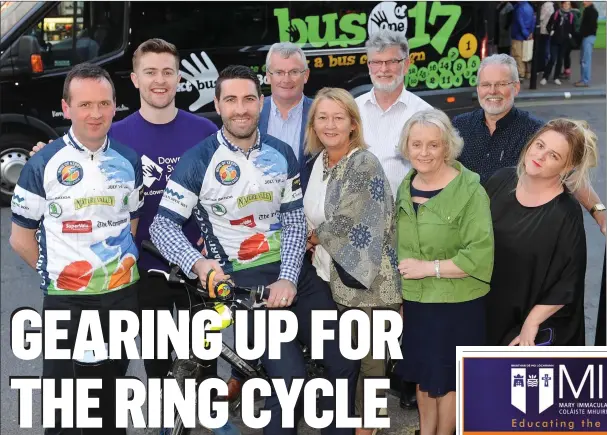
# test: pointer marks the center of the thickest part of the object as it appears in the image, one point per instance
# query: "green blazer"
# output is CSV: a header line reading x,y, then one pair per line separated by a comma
x,y
456,225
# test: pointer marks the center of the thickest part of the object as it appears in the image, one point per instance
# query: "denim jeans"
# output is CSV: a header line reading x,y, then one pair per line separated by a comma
x,y
586,57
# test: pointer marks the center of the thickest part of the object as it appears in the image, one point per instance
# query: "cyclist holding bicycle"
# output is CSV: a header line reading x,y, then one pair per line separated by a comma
x,y
244,191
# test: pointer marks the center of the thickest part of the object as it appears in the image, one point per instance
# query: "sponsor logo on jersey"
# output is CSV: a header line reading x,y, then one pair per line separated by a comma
x,y
247,221
227,172
54,210
105,224
296,184
77,227
94,200
174,194
243,201
70,173
125,203
218,209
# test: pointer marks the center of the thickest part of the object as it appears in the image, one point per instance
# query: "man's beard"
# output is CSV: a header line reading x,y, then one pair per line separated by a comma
x,y
388,87
504,107
228,124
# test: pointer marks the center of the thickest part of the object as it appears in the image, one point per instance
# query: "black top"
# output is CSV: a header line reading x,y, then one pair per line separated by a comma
x,y
540,258
421,193
484,153
562,23
590,16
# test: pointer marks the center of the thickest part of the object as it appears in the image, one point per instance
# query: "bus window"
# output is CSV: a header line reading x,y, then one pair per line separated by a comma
x,y
96,27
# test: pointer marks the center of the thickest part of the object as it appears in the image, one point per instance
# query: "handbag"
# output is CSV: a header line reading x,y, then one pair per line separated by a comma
x,y
527,50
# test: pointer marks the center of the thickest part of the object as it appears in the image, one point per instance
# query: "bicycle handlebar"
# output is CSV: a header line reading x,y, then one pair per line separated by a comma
x,y
222,292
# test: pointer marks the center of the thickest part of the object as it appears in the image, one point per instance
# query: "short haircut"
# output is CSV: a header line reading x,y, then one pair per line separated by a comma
x,y
286,50
499,59
237,72
155,45
583,150
383,39
86,70
451,138
345,100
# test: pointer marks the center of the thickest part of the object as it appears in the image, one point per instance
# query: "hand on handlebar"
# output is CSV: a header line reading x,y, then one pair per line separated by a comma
x,y
202,268
282,293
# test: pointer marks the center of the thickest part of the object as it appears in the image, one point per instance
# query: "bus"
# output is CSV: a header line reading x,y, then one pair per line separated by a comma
x,y
41,41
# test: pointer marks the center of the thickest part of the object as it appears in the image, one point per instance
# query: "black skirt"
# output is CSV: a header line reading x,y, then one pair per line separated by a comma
x,y
431,332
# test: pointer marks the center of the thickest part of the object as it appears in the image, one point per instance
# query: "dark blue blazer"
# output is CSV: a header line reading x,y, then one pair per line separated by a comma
x,y
264,120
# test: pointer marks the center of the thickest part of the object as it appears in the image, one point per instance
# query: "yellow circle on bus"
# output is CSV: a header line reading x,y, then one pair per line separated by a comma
x,y
467,45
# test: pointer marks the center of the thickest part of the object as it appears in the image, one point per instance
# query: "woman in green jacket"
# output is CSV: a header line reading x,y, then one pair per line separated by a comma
x,y
445,254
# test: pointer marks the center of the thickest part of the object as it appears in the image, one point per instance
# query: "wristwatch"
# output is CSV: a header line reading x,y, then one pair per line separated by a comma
x,y
597,207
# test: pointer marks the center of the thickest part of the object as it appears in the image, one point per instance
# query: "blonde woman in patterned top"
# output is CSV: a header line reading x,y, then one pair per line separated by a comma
x,y
350,213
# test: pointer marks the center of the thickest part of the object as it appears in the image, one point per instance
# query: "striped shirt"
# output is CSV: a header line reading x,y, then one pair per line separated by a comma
x,y
287,130
382,131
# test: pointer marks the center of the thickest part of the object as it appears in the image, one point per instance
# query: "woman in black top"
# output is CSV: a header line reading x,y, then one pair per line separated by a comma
x,y
537,287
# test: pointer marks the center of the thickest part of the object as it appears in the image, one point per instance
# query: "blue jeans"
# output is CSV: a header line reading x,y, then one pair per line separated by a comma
x,y
586,57
313,294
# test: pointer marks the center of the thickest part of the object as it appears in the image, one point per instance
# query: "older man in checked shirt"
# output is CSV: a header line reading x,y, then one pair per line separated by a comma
x,y
243,188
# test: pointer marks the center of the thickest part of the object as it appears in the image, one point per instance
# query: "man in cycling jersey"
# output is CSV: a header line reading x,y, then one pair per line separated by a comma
x,y
244,191
159,133
74,213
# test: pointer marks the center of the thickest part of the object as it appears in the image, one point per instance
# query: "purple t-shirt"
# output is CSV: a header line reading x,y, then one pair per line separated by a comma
x,y
160,146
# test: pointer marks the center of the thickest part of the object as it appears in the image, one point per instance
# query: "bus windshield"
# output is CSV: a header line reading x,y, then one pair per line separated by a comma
x,y
11,14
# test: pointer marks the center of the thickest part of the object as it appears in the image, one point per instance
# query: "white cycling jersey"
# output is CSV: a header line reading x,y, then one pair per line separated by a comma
x,y
82,204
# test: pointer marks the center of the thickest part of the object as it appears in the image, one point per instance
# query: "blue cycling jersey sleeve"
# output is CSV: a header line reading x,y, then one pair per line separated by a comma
x,y
183,188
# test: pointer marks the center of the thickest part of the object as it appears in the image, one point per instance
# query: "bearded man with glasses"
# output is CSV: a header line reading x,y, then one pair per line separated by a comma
x,y
495,134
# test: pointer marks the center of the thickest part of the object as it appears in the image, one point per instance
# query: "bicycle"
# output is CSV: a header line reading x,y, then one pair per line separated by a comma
x,y
223,298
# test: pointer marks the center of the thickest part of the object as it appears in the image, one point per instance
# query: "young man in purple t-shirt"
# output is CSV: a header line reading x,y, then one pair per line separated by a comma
x,y
160,133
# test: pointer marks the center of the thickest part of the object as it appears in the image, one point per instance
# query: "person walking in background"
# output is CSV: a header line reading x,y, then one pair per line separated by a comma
x,y
504,24
537,289
445,252
561,30
350,213
543,51
523,24
588,28
574,41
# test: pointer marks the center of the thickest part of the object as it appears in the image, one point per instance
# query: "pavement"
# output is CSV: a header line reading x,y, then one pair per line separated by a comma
x,y
567,90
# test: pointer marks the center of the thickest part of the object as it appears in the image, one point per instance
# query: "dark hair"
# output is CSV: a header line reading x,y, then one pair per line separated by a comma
x,y
155,45
86,71
237,72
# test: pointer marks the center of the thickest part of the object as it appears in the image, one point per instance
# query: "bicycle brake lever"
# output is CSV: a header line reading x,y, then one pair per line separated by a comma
x,y
158,272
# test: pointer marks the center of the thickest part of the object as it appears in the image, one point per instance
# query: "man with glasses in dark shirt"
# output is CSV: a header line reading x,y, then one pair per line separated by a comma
x,y
495,134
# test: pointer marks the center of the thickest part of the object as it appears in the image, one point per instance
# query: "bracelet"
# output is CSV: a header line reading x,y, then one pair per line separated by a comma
x,y
437,268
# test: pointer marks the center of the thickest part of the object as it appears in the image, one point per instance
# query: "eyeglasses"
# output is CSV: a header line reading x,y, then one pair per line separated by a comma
x,y
294,73
500,85
378,63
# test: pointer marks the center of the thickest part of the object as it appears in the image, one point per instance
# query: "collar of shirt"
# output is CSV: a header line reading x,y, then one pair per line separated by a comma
x,y
294,111
224,140
503,122
402,98
71,140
